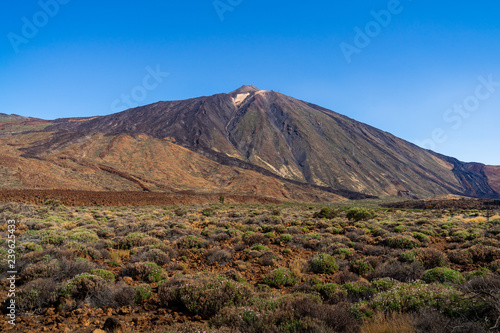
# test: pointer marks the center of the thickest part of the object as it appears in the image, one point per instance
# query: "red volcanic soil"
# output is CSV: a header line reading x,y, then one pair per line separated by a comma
x,y
89,198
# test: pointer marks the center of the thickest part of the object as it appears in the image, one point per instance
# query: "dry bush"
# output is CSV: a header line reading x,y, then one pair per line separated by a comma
x,y
486,291
69,269
39,270
336,318
484,253
392,322
299,267
399,271
204,295
345,276
36,295
267,259
460,257
256,238
219,256
113,296
153,255
431,258
143,271
373,250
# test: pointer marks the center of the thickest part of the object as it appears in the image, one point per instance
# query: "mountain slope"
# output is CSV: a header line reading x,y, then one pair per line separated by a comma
x,y
279,137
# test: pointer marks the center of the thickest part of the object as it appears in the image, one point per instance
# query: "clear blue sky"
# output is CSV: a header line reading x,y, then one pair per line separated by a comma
x,y
415,65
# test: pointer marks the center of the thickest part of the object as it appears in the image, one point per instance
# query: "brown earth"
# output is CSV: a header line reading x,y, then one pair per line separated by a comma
x,y
455,204
93,198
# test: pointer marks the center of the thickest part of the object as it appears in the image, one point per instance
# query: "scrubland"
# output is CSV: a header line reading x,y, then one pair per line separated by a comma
x,y
252,268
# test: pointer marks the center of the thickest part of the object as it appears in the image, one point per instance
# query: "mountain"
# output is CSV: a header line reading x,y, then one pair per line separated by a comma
x,y
247,141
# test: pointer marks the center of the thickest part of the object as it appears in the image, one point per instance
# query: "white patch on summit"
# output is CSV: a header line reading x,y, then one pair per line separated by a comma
x,y
240,98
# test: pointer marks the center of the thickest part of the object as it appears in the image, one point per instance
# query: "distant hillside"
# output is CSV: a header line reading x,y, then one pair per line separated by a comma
x,y
248,141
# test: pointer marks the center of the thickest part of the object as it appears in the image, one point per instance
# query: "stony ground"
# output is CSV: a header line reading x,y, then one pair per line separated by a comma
x,y
247,268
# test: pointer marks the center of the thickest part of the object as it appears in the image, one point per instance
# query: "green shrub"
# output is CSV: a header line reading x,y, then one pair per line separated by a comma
x,y
105,274
156,273
421,237
409,256
360,214
324,263
402,242
270,234
280,277
82,285
414,296
285,238
134,239
30,246
83,235
479,273
208,212
192,242
259,247
443,275
332,292
143,292
326,213
361,267
384,284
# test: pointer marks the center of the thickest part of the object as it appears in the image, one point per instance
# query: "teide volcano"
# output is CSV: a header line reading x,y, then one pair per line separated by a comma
x,y
249,140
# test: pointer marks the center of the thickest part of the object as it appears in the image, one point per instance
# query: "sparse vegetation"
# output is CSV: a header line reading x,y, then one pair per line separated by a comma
x,y
289,268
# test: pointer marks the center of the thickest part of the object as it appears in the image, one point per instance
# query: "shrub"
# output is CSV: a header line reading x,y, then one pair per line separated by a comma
x,y
479,273
443,275
105,274
421,237
36,295
115,295
384,284
267,259
461,257
192,242
155,255
259,247
208,212
361,267
360,214
280,277
486,292
326,213
219,256
136,239
402,242
399,271
255,238
40,270
484,253
332,292
204,295
148,272
324,264
143,292
285,238
30,246
82,286
431,258
414,296
83,235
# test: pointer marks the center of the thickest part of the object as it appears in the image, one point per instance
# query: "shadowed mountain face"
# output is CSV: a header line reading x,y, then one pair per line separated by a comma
x,y
282,138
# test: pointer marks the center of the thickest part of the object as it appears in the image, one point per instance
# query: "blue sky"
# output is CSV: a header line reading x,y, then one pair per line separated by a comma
x,y
425,71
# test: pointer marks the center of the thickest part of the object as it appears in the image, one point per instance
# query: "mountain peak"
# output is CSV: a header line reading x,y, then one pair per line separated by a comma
x,y
245,89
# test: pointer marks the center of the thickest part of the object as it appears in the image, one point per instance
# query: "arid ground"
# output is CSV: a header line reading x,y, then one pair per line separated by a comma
x,y
227,267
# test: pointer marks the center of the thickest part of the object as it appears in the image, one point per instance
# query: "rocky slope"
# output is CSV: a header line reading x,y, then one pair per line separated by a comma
x,y
247,139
